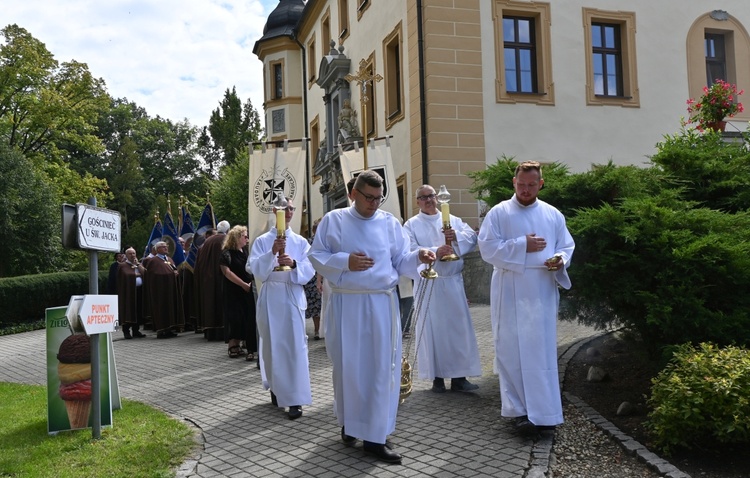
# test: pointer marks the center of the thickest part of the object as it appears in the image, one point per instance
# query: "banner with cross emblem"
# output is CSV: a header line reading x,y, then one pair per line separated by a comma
x,y
274,171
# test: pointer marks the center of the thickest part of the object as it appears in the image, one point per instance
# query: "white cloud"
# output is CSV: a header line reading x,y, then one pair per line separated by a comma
x,y
175,58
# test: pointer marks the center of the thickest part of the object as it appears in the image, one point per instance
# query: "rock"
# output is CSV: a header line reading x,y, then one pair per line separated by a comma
x,y
592,352
596,374
625,409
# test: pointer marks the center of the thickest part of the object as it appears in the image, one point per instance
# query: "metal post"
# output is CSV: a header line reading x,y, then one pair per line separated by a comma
x,y
96,402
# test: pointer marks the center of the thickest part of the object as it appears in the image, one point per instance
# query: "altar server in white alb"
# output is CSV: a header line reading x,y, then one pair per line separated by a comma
x,y
446,341
530,247
281,315
361,251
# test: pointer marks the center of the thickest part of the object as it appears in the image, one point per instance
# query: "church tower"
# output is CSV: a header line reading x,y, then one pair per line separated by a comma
x,y
282,75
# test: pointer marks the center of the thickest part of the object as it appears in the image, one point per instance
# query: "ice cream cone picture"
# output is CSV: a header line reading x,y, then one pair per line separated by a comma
x,y
74,371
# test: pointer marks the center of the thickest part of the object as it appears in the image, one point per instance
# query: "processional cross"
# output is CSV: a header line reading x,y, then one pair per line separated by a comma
x,y
364,76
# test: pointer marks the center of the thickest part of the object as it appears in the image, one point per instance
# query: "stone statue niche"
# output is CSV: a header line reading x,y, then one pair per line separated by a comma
x,y
348,124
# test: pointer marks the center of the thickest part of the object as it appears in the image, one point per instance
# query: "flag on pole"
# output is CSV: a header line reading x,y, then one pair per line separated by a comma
x,y
207,220
274,171
171,237
154,238
187,230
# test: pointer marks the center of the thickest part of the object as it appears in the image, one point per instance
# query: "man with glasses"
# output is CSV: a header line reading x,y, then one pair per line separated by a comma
x,y
446,340
281,315
528,243
361,251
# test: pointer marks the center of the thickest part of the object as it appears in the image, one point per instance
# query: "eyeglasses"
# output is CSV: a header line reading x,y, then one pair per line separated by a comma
x,y
426,197
291,208
372,199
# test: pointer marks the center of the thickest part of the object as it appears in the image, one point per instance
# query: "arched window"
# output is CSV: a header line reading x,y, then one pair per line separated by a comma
x,y
718,46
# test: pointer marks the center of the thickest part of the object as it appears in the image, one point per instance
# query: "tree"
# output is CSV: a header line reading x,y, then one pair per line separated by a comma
x,y
230,194
47,111
29,217
233,126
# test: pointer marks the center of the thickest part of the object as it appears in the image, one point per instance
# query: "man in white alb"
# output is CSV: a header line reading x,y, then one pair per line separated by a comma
x,y
530,247
446,342
361,251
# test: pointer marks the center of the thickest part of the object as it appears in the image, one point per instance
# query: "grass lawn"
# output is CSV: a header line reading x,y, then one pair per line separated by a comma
x,y
143,441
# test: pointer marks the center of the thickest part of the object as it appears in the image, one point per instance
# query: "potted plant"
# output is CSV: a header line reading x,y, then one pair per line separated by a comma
x,y
716,104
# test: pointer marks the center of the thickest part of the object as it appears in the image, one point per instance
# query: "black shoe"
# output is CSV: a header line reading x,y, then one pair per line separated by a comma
x,y
438,385
524,427
347,439
382,452
295,411
273,400
127,335
138,335
462,385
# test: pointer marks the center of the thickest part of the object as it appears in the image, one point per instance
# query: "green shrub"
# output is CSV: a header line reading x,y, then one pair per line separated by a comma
x,y
664,269
702,396
25,298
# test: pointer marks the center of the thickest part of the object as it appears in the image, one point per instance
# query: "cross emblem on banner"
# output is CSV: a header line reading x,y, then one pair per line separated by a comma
x,y
274,189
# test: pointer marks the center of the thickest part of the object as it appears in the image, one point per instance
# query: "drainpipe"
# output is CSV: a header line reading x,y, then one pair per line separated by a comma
x,y
308,166
422,103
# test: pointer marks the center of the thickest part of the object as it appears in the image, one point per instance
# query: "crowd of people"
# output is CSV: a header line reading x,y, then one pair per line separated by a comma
x,y
345,279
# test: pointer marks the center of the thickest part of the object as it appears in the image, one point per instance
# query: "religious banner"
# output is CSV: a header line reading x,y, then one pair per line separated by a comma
x,y
378,160
274,171
156,235
171,237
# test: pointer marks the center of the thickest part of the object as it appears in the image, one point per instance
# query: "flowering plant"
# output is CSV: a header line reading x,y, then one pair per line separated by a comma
x,y
716,104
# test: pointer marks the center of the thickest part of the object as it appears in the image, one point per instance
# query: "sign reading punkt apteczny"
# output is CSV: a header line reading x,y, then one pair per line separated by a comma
x,y
98,229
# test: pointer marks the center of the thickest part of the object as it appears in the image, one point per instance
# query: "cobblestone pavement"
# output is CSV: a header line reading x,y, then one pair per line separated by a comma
x,y
439,435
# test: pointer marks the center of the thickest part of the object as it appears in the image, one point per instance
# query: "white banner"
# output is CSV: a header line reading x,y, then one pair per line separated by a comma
x,y
274,171
378,160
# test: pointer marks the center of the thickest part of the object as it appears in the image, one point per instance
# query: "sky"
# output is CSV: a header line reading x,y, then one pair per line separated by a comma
x,y
175,58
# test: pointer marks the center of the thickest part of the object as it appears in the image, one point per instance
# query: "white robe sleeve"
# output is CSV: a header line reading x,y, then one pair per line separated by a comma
x,y
501,252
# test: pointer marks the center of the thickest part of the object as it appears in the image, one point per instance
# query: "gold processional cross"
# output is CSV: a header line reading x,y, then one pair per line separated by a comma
x,y
363,77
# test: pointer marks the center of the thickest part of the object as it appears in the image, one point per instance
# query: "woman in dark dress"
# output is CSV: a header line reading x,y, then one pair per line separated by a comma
x,y
239,303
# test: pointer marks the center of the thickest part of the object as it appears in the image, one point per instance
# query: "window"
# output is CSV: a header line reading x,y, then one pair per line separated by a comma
x,y
394,99
325,32
716,59
312,62
362,5
314,140
523,58
519,51
607,61
718,46
343,19
611,74
277,80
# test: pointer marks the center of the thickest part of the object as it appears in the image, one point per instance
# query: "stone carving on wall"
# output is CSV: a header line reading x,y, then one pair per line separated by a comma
x,y
348,124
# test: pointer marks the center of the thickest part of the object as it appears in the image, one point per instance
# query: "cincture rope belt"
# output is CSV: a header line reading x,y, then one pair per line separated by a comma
x,y
394,315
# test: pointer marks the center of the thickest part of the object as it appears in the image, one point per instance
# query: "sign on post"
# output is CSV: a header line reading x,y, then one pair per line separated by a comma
x,y
98,229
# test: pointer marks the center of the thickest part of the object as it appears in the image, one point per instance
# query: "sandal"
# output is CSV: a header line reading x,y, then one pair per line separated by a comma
x,y
250,357
234,351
